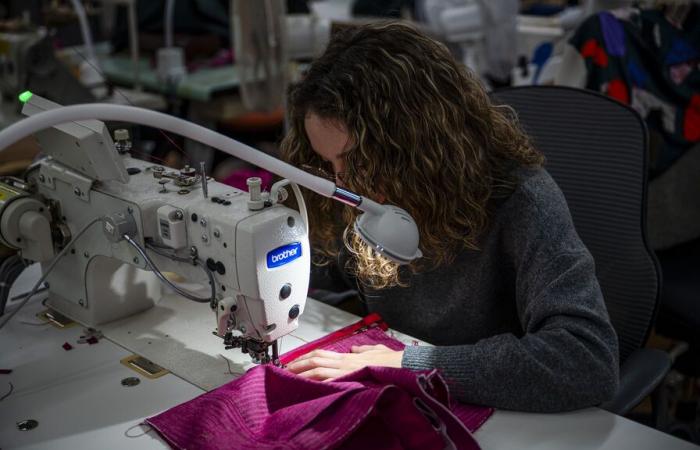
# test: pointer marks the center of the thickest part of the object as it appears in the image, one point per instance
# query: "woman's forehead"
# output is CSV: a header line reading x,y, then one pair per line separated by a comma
x,y
329,138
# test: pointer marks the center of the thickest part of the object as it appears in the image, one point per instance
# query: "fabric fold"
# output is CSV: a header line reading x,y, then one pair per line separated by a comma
x,y
375,407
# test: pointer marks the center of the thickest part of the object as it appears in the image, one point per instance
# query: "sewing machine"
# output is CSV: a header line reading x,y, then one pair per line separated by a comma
x,y
139,220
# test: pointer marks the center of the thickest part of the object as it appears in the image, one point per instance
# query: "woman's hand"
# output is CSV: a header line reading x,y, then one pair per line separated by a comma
x,y
325,365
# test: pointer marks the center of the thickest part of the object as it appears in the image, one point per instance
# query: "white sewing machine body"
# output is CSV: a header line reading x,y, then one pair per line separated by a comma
x,y
259,259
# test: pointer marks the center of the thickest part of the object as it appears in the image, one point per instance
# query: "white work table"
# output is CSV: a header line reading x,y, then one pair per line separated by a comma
x,y
79,402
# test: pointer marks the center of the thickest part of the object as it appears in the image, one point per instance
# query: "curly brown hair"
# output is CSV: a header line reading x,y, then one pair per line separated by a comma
x,y
425,135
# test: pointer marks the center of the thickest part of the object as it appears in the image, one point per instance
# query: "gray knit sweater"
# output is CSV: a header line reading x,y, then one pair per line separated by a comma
x,y
521,323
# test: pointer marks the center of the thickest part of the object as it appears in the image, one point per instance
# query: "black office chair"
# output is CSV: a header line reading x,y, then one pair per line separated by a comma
x,y
596,151
679,319
674,225
679,315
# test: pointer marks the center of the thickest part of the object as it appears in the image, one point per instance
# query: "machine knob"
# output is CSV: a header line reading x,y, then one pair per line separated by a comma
x,y
294,312
255,202
188,171
121,134
122,141
286,291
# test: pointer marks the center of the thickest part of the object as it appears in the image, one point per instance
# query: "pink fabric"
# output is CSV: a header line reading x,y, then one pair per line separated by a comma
x,y
367,331
472,416
238,178
376,407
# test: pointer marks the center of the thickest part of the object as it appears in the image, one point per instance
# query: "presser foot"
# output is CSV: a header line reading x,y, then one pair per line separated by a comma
x,y
260,352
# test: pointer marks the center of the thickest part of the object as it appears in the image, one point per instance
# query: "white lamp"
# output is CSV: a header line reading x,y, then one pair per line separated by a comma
x,y
388,229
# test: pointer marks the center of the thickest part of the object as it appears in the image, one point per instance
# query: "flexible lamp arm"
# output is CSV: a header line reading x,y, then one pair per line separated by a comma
x,y
122,113
407,248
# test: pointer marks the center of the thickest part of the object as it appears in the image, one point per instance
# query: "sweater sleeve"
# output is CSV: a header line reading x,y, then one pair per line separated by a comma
x,y
567,357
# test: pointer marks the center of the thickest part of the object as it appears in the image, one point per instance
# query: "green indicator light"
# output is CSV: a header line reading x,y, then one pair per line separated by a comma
x,y
25,96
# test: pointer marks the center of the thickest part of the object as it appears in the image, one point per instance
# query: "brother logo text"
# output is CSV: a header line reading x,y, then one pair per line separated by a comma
x,y
283,255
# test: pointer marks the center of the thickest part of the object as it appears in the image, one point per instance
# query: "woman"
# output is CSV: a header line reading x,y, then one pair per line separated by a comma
x,y
506,291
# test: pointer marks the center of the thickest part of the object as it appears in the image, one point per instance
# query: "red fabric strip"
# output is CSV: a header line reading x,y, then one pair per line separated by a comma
x,y
369,321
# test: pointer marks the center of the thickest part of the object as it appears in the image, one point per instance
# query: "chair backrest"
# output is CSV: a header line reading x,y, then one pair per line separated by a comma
x,y
596,150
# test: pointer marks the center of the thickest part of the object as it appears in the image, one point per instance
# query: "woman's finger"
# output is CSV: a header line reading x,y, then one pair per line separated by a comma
x,y
367,348
322,373
319,353
313,362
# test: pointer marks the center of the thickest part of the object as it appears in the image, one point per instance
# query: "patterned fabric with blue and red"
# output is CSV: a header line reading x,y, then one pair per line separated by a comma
x,y
649,60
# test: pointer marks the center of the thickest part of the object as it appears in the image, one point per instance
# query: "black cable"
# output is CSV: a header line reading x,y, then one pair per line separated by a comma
x,y
48,270
164,280
159,249
10,269
12,388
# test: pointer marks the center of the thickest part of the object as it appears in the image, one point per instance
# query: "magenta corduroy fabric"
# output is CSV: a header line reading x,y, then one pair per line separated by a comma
x,y
376,407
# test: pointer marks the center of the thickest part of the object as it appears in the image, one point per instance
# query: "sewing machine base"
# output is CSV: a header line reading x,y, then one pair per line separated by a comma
x,y
120,290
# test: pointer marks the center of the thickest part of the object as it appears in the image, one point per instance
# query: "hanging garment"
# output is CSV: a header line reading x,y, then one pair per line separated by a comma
x,y
648,59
